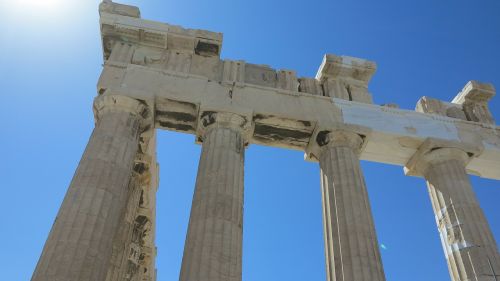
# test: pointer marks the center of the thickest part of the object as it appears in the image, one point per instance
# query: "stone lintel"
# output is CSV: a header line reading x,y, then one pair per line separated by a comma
x,y
435,150
353,136
287,120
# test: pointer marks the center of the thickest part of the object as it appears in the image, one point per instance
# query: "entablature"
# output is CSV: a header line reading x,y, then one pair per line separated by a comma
x,y
286,111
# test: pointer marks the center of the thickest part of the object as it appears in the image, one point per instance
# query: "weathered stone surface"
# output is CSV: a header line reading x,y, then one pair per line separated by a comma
x,y
474,99
311,86
346,77
287,80
107,6
134,251
351,247
233,72
435,106
213,249
123,22
261,75
469,246
80,243
124,255
471,104
105,227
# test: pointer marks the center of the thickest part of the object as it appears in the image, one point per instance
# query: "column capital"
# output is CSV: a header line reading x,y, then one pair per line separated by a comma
x,y
213,119
116,103
352,137
109,103
434,151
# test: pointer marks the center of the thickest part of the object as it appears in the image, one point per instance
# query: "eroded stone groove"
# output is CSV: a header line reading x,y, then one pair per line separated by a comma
x,y
134,252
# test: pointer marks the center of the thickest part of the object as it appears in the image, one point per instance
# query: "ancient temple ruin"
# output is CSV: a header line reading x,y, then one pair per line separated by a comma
x,y
161,76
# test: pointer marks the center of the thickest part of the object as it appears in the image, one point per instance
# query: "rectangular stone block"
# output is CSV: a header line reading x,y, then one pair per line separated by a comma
x,y
360,94
233,71
435,106
261,75
311,86
176,61
210,67
336,89
287,80
180,43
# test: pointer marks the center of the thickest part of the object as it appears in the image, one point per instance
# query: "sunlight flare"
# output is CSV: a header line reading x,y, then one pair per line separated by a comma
x,y
28,10
39,4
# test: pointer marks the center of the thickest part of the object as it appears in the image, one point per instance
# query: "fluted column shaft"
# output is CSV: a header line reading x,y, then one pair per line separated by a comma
x,y
469,246
213,249
133,255
80,242
351,246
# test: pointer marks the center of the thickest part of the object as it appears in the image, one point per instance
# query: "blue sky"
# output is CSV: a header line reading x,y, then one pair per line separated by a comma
x,y
50,60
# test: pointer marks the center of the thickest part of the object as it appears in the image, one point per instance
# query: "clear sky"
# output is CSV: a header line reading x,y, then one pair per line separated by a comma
x,y
50,60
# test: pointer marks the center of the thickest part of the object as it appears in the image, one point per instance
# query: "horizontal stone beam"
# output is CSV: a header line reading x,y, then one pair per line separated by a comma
x,y
291,119
179,72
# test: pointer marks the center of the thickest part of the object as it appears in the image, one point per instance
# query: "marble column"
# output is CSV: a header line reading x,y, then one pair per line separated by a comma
x,y
133,252
213,248
351,247
469,246
80,242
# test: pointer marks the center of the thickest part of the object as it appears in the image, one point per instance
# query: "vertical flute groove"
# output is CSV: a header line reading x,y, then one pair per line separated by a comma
x,y
468,243
79,245
351,247
214,239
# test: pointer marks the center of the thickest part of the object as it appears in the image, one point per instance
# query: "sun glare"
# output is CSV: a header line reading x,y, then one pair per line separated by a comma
x,y
39,4
38,9
44,18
